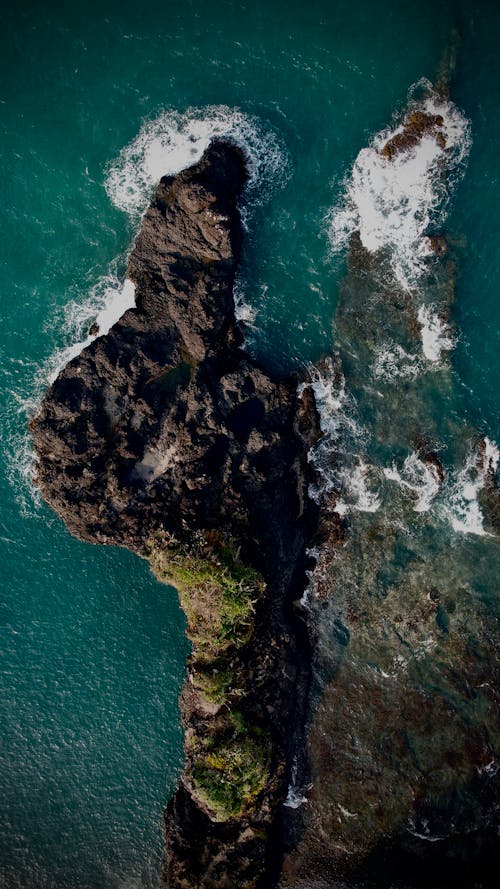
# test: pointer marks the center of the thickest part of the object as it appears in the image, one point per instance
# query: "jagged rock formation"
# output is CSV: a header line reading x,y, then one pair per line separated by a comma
x,y
165,437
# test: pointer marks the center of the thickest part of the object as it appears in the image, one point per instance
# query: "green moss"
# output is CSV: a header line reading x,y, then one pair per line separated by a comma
x,y
187,357
231,767
218,684
169,381
217,591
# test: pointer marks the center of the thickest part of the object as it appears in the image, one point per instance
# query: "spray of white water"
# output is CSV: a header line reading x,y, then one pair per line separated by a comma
x,y
462,508
394,363
392,202
436,337
337,456
173,141
420,479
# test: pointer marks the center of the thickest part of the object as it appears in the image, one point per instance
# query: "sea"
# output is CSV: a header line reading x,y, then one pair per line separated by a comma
x,y
98,100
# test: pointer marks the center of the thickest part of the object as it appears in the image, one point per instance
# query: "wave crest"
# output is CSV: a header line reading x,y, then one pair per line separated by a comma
x,y
174,140
340,468
420,478
463,509
392,201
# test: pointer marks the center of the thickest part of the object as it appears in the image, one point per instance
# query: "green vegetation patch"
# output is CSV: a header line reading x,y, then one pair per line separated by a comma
x,y
218,683
231,767
230,757
217,590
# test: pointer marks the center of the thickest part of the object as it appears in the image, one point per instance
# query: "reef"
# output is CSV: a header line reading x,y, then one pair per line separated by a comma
x,y
400,779
164,436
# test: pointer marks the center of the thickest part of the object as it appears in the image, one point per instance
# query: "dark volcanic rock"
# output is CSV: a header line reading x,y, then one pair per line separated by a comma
x,y
165,419
145,416
165,426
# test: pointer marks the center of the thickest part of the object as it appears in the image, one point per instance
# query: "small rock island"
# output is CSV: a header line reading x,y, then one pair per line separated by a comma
x,y
165,437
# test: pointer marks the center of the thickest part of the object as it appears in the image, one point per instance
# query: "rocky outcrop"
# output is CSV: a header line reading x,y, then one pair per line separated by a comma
x,y
164,436
376,719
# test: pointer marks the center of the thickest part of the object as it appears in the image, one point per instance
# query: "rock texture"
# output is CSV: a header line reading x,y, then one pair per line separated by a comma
x,y
163,430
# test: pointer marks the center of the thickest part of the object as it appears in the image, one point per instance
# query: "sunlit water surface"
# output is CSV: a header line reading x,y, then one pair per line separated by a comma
x,y
97,101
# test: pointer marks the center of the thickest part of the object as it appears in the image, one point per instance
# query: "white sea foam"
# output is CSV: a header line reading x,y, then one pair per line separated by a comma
x,y
395,363
392,202
295,796
336,456
337,423
436,337
421,479
463,509
18,452
361,496
105,305
173,141
243,311
423,832
312,553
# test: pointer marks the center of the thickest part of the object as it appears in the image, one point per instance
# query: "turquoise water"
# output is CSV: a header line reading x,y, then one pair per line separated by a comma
x,y
94,652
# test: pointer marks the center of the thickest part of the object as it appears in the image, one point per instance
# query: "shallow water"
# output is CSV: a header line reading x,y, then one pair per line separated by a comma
x,y
96,101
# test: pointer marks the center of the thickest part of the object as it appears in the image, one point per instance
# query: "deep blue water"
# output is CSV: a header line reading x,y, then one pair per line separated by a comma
x,y
94,650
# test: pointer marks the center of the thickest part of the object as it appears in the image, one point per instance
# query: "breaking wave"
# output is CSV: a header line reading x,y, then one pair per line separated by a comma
x,y
463,509
393,363
340,468
18,452
108,300
174,140
102,307
392,202
360,486
435,333
419,478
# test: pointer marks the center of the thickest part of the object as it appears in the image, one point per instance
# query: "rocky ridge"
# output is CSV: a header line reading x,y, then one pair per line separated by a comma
x,y
164,436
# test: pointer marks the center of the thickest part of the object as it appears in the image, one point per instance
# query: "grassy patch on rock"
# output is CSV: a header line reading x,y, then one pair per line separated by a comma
x,y
229,755
230,766
217,590
218,683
